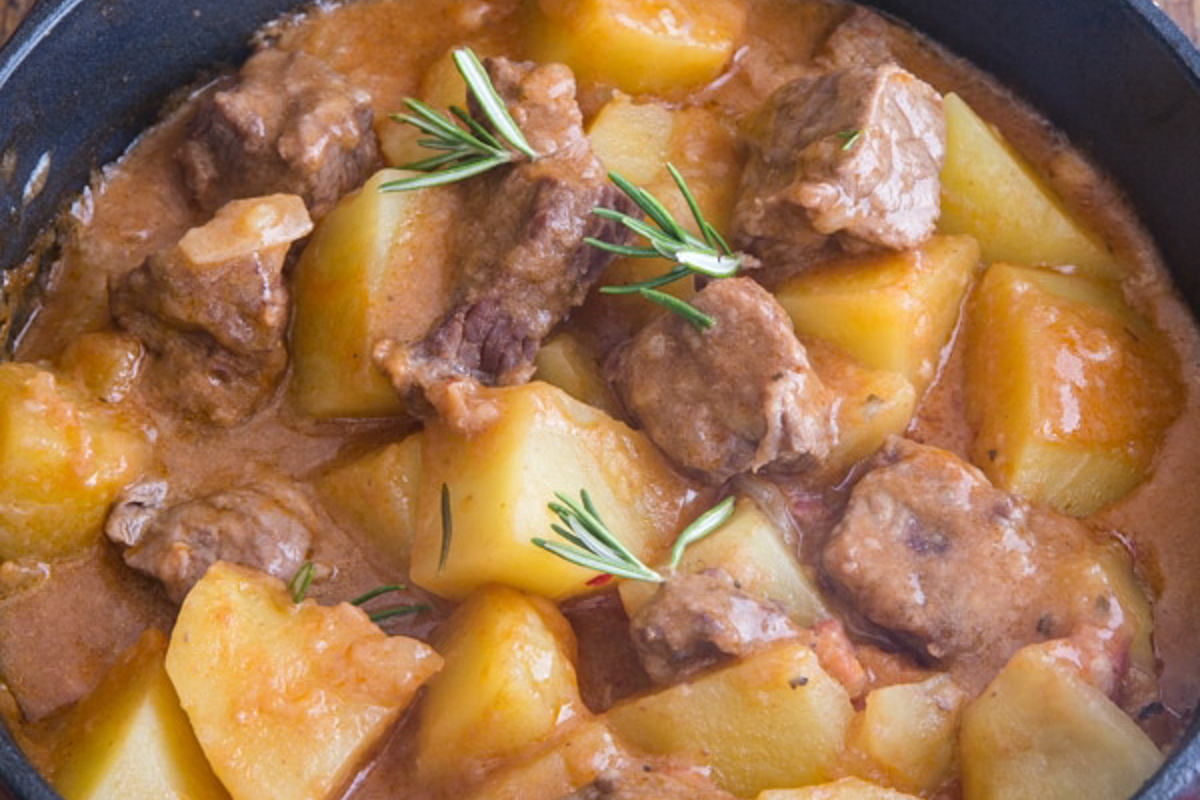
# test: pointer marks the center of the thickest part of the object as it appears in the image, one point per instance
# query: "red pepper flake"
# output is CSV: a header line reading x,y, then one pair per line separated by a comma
x,y
600,580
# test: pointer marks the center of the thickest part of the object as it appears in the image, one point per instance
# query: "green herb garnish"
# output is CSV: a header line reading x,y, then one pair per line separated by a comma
x,y
849,138
465,147
708,254
447,529
593,546
391,611
298,585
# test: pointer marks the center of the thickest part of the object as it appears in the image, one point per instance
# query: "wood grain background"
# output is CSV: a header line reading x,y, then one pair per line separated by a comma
x,y
1186,14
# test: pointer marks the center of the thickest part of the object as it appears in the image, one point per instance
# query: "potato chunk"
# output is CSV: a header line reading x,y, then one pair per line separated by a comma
x,y
751,549
1070,391
499,482
373,267
566,362
376,496
990,192
63,458
131,739
1041,731
774,719
639,46
844,789
105,364
908,733
893,311
874,404
442,86
509,682
286,698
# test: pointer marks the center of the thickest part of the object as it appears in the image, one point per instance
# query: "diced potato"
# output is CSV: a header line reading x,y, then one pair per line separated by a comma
x,y
909,732
893,311
508,683
751,549
104,364
639,46
130,738
500,481
375,266
247,226
63,459
990,192
566,362
286,699
844,789
773,719
1040,731
441,87
633,139
1070,391
376,496
873,404
571,761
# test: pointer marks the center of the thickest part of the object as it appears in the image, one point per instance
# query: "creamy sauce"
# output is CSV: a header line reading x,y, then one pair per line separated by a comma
x,y
385,46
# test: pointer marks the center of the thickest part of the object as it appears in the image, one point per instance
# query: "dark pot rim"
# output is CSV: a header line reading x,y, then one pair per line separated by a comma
x,y
1140,35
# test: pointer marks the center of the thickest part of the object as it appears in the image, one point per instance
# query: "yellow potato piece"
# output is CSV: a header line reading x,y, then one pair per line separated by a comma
x,y
63,459
375,266
844,789
773,719
130,738
500,480
893,311
442,86
1069,390
638,46
286,699
375,495
1040,732
990,192
566,362
909,732
752,550
104,364
508,683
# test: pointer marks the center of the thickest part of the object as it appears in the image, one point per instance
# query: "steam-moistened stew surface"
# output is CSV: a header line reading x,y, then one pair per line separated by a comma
x,y
683,399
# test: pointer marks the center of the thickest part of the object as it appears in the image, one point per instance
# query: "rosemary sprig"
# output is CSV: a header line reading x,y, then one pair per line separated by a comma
x,y
464,147
447,529
391,611
298,585
593,546
849,138
707,254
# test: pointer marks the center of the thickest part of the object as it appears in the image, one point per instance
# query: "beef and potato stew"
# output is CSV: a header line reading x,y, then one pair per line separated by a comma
x,y
598,399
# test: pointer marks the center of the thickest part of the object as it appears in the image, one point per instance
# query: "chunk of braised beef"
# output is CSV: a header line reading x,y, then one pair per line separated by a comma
x,y
213,310
266,525
519,253
697,621
963,572
863,39
286,123
738,397
854,153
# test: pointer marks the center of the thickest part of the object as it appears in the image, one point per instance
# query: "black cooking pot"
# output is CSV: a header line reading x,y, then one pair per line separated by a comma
x,y
80,79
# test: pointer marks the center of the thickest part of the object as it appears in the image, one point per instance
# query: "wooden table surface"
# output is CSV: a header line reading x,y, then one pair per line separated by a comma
x,y
1186,14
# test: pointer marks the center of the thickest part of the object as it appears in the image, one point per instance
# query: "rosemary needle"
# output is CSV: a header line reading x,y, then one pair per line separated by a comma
x,y
298,586
462,146
447,529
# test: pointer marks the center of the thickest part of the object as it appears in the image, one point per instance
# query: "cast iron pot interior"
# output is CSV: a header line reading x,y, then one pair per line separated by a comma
x,y
80,79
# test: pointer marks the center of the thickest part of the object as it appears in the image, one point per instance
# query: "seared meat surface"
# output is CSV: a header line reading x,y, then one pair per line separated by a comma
x,y
266,525
855,152
964,572
738,397
520,257
213,310
696,621
287,123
